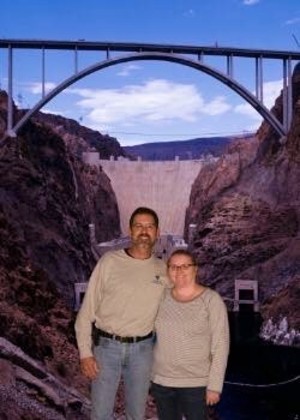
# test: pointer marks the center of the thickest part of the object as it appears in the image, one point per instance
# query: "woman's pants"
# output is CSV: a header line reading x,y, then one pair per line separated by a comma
x,y
173,403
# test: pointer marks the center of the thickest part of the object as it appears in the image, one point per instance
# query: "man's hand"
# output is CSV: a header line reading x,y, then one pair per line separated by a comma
x,y
212,397
89,367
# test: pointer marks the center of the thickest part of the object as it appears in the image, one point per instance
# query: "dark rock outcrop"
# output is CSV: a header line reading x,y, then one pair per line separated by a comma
x,y
246,208
78,138
48,198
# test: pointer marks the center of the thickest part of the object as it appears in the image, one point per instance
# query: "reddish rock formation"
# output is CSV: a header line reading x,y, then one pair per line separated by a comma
x,y
246,209
78,138
48,197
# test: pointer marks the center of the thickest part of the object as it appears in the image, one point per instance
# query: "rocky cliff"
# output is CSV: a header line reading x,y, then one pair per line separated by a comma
x,y
246,209
48,198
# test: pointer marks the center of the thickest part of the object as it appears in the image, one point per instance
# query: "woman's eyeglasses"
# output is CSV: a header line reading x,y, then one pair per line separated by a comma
x,y
182,267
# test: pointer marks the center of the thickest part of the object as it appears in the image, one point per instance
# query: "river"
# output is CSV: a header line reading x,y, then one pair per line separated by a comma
x,y
259,381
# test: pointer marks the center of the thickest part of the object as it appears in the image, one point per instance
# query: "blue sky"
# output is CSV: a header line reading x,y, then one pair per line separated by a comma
x,y
147,101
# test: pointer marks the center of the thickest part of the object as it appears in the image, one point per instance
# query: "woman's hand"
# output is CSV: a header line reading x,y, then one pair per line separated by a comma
x,y
212,397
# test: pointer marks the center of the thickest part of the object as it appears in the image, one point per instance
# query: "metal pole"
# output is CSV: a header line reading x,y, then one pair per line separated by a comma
x,y
76,59
259,79
229,65
290,95
10,93
43,72
201,57
285,96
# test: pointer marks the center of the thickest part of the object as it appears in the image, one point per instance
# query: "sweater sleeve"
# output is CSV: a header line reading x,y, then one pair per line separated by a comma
x,y
219,328
86,315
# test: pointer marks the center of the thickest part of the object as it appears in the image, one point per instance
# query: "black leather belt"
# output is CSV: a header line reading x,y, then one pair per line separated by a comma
x,y
105,334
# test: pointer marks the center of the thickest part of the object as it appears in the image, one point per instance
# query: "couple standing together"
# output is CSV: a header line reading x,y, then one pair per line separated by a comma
x,y
131,294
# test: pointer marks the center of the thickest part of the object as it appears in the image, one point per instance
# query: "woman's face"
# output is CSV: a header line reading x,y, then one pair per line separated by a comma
x,y
181,270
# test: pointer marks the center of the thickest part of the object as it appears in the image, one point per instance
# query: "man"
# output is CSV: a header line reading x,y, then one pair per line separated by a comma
x,y
122,300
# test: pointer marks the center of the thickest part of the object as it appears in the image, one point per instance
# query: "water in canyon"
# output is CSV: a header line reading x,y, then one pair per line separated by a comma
x,y
262,380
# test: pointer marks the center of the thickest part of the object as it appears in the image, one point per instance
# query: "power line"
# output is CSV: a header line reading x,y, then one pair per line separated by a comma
x,y
288,381
238,133
296,40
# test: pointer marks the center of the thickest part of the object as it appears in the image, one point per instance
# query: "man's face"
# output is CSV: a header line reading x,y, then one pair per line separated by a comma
x,y
143,230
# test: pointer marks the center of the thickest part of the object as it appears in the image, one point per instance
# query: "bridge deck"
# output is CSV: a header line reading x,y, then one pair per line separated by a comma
x,y
84,45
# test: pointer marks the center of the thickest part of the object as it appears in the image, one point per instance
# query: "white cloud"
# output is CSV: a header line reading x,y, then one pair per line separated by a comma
x,y
37,88
250,2
246,110
154,101
54,111
127,70
217,106
189,13
292,21
160,106
271,91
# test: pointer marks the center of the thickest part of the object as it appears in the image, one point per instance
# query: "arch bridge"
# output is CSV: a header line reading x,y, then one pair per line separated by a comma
x,y
190,56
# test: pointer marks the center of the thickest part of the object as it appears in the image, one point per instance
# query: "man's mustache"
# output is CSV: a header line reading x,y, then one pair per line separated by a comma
x,y
144,235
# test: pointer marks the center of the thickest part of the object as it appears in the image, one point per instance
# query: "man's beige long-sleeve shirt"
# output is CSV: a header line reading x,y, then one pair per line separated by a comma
x,y
122,298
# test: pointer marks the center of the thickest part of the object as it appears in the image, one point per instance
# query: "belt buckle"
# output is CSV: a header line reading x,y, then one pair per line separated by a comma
x,y
123,339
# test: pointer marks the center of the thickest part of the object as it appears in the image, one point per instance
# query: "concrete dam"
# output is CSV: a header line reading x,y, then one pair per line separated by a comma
x,y
163,186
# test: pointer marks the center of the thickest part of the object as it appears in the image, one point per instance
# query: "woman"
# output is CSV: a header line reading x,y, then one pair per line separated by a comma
x,y
191,350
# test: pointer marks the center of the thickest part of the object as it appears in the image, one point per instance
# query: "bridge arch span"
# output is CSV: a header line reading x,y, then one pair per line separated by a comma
x,y
197,65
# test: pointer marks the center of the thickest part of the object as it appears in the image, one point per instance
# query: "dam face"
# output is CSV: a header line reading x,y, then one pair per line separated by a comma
x,y
163,186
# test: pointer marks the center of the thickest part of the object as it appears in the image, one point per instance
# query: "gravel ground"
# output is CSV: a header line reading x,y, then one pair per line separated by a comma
x,y
19,402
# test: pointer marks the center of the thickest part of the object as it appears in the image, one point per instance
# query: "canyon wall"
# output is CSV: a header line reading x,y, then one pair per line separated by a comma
x,y
246,208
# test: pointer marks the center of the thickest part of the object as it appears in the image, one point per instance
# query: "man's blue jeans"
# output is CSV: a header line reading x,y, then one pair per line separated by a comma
x,y
133,361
